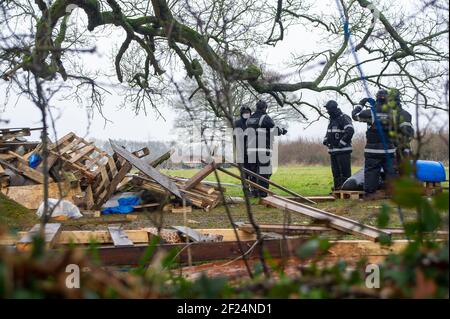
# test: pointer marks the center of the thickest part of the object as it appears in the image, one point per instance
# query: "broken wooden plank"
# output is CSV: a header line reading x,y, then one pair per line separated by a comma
x,y
26,171
182,210
147,169
335,221
119,237
161,159
285,229
317,199
147,205
193,234
199,176
51,232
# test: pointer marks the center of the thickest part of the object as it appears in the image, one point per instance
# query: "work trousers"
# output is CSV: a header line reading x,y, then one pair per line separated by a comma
x,y
372,170
257,168
341,167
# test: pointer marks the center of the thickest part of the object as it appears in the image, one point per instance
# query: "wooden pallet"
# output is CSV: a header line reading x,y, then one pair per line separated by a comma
x,y
80,155
102,171
432,188
342,194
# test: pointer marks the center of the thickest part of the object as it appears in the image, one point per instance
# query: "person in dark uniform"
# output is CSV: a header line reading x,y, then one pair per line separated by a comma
x,y
379,152
402,129
338,139
240,139
261,131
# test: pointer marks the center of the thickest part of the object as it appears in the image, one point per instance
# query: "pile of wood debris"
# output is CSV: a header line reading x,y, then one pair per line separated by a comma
x,y
88,176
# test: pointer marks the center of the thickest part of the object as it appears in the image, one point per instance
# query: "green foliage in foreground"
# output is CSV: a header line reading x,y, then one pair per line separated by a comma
x,y
420,271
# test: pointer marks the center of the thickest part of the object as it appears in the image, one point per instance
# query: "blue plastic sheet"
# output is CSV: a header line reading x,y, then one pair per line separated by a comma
x,y
34,160
125,206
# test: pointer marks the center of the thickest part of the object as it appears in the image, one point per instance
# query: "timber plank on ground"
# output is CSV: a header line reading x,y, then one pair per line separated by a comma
x,y
119,237
334,221
51,232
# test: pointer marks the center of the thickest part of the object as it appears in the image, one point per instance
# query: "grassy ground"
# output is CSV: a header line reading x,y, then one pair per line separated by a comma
x,y
305,180
15,215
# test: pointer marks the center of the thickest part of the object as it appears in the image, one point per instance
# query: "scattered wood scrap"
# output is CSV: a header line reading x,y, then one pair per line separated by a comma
x,y
201,196
335,221
343,194
285,229
119,237
51,232
195,236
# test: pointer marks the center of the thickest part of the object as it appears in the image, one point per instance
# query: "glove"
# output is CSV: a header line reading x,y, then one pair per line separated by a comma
x,y
371,101
283,131
363,101
325,142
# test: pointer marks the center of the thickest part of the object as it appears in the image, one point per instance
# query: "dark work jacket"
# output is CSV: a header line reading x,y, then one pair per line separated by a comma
x,y
339,134
262,133
394,123
240,140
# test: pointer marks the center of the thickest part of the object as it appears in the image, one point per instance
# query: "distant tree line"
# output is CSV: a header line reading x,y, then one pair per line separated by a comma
x,y
310,151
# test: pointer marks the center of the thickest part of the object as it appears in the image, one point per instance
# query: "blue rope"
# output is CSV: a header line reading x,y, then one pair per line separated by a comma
x,y
366,87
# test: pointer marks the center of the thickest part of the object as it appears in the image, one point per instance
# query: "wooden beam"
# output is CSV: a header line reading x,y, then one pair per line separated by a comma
x,y
119,237
26,171
276,248
195,236
161,159
257,176
199,176
147,169
335,221
317,199
51,232
285,229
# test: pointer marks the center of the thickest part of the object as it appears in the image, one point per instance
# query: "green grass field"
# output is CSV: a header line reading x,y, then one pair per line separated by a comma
x,y
305,180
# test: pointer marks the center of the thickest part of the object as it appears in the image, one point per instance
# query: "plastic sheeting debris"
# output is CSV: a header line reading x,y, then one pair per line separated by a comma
x,y
126,205
60,208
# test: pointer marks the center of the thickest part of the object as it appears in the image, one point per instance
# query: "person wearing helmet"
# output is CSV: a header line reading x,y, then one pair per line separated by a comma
x,y
261,129
240,138
338,139
378,155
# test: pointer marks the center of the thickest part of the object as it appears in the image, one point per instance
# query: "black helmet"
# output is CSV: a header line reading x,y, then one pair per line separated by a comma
x,y
331,106
382,96
245,109
261,105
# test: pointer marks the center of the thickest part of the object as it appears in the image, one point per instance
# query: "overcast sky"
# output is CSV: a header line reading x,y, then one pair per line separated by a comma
x,y
123,123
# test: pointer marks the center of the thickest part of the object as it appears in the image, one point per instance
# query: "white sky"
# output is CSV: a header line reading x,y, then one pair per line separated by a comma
x,y
126,125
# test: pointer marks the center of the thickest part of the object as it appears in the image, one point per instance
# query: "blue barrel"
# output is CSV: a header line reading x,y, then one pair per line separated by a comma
x,y
430,171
